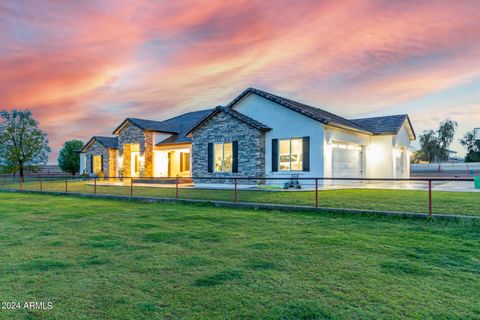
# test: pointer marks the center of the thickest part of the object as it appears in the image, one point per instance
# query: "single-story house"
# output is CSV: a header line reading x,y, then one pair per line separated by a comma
x,y
258,134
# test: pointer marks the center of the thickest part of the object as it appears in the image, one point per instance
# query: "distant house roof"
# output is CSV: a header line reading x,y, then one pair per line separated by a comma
x,y
241,117
385,125
107,142
374,126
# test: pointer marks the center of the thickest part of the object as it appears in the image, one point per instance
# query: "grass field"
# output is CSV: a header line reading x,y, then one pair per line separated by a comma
x,y
106,259
463,203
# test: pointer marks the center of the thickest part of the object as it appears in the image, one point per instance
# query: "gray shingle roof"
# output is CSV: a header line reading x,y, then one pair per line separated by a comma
x,y
107,142
179,126
176,125
375,126
309,111
240,116
383,125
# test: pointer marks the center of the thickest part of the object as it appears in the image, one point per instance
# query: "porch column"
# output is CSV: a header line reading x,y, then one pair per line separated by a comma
x,y
148,155
127,161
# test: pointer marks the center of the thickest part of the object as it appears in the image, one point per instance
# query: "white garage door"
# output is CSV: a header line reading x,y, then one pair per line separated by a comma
x,y
347,161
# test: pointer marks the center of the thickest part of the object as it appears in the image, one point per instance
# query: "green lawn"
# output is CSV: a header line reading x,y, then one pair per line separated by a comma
x,y
463,203
106,259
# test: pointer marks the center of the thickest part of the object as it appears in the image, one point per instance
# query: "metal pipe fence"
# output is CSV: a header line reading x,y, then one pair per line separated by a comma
x,y
458,196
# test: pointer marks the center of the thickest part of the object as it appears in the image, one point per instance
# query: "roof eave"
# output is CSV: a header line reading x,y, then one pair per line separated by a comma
x,y
160,144
88,144
208,116
338,125
414,136
122,125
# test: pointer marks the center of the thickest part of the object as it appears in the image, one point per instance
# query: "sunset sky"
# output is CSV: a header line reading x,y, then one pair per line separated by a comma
x,y
83,66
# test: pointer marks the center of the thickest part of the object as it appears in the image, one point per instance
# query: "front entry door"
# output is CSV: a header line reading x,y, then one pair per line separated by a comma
x,y
135,159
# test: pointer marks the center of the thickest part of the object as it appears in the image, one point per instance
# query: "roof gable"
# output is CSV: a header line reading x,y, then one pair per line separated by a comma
x,y
387,125
317,114
107,142
372,126
237,115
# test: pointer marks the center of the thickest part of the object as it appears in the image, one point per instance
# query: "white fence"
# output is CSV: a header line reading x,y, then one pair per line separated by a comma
x,y
464,169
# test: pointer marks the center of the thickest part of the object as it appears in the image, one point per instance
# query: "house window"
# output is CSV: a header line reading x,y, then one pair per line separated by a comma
x,y
223,155
290,155
184,161
97,164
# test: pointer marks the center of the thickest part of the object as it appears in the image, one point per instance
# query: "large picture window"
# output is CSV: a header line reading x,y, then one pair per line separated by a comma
x,y
184,161
290,155
223,155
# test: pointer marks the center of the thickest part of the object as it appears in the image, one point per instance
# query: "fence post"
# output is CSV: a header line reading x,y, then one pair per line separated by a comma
x,y
41,184
66,185
95,185
176,188
316,193
131,187
430,197
235,199
4,182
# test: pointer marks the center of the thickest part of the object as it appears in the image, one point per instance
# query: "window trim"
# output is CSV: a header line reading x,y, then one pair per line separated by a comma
x,y
290,154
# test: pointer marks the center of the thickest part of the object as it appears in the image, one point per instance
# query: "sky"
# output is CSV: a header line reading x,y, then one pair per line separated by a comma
x,y
84,66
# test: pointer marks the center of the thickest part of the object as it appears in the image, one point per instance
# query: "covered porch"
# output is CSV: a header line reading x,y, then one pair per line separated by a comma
x,y
172,160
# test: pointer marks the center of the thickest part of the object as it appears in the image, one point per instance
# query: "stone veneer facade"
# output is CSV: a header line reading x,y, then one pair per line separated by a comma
x,y
130,134
97,149
226,128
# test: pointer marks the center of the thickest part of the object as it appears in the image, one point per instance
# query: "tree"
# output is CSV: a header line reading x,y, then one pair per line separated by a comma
x,y
434,144
429,146
445,134
417,156
472,146
23,146
69,158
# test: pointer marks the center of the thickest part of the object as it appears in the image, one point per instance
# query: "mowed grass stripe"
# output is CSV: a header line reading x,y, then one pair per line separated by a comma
x,y
106,259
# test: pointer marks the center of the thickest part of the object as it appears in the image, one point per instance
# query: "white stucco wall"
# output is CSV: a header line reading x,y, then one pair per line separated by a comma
x,y
380,157
159,137
285,123
379,151
402,142
83,162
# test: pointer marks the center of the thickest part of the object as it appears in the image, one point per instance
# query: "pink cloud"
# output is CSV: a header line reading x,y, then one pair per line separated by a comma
x,y
82,66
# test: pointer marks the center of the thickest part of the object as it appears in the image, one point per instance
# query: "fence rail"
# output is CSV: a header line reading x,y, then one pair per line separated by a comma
x,y
445,169
418,194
